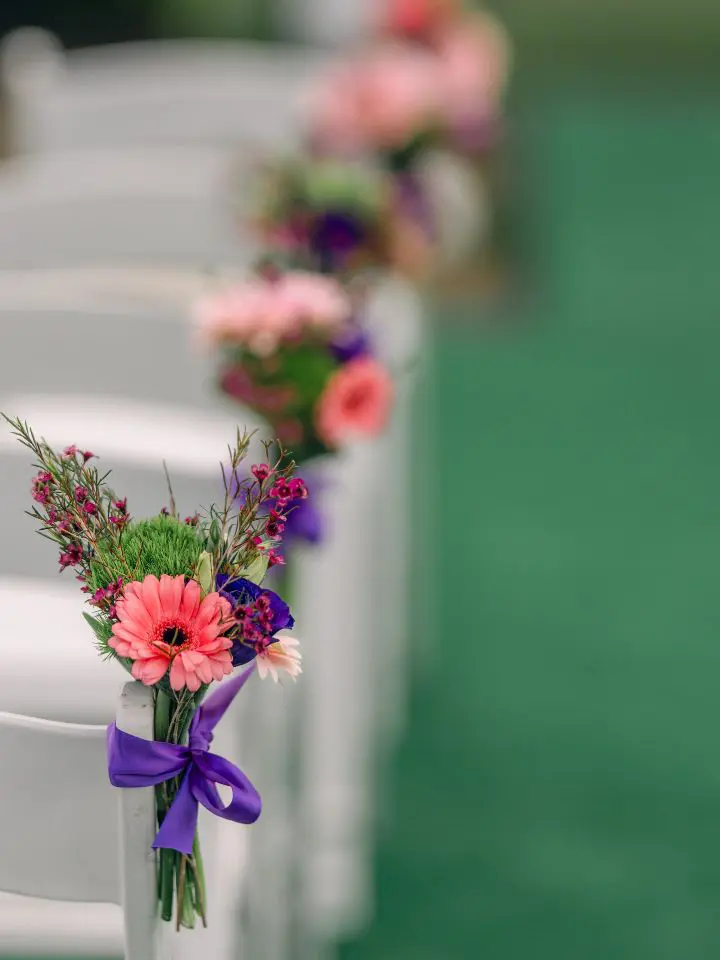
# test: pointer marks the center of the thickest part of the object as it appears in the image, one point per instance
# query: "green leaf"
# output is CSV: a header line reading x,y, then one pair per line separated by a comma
x,y
103,631
214,535
204,573
256,569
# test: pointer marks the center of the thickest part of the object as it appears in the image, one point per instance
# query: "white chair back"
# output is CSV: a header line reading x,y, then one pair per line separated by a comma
x,y
154,92
76,684
143,206
60,834
58,831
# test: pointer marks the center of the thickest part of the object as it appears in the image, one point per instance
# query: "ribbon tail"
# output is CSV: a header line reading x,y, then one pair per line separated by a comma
x,y
214,708
209,770
177,831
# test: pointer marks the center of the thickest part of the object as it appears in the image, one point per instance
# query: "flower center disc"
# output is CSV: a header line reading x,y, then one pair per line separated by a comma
x,y
174,636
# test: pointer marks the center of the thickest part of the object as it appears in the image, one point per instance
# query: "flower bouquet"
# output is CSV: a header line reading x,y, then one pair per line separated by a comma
x,y
344,217
179,603
292,348
472,63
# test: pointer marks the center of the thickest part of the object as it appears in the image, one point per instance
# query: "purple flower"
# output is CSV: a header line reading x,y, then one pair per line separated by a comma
x,y
335,235
259,613
349,343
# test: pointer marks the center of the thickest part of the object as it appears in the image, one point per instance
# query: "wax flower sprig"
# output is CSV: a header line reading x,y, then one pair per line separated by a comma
x,y
179,603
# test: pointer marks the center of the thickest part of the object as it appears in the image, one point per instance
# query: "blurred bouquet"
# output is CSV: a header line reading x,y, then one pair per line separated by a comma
x,y
292,348
179,603
438,81
344,217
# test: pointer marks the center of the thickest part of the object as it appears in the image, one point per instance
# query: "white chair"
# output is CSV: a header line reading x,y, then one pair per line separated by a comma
x,y
328,22
154,92
61,838
144,206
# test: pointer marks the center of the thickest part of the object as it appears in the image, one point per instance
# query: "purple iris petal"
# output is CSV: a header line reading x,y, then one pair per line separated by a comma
x,y
337,233
350,343
304,522
239,590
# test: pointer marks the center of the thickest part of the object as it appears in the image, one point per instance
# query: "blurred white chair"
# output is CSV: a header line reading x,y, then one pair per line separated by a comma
x,y
141,206
230,93
332,23
358,660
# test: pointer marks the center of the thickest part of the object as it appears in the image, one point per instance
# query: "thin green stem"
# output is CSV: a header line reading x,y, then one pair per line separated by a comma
x,y
167,883
200,889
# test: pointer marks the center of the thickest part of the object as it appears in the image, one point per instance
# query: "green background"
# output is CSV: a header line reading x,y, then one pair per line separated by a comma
x,y
559,792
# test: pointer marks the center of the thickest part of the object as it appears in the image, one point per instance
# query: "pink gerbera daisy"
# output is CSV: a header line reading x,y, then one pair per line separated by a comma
x,y
166,623
280,655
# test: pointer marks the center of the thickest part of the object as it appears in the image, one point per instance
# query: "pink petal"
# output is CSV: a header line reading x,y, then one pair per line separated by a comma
x,y
190,600
171,590
149,671
177,674
151,596
126,631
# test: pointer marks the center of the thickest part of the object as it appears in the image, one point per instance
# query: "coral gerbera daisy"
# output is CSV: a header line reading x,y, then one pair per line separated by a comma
x,y
356,402
166,623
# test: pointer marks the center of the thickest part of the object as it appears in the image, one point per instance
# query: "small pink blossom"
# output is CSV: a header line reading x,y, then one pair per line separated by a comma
x,y
356,402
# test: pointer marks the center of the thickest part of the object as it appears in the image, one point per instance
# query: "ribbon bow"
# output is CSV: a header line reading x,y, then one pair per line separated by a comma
x,y
134,762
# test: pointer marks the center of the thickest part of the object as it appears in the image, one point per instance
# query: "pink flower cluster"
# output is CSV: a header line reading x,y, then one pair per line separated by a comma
x,y
282,494
392,93
378,101
263,313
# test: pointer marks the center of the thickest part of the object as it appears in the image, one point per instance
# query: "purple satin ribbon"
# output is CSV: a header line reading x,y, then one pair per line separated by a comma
x,y
134,762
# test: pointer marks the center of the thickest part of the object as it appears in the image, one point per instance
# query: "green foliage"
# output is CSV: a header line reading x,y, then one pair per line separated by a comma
x,y
308,369
159,545
330,185
204,573
102,629
256,568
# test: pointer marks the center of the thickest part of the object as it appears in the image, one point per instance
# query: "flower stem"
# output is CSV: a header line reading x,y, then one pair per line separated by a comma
x,y
199,880
166,866
167,883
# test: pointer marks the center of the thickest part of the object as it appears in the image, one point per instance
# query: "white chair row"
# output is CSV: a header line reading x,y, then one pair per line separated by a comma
x,y
191,440
169,206
173,92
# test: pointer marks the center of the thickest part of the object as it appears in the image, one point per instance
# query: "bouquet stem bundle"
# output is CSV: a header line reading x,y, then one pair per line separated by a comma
x,y
181,878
